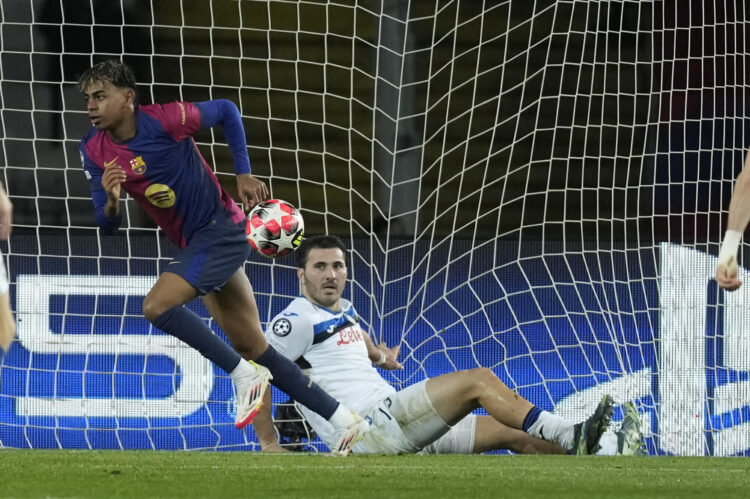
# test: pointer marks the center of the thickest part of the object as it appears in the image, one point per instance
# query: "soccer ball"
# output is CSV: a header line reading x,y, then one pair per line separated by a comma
x,y
274,228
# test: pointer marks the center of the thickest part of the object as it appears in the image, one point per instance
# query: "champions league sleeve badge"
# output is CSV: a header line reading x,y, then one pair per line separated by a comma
x,y
282,327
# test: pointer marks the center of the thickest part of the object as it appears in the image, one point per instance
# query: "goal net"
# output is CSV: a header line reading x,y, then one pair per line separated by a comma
x,y
535,187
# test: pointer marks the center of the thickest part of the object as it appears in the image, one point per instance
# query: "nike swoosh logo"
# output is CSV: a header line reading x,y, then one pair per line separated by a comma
x,y
107,164
172,262
541,433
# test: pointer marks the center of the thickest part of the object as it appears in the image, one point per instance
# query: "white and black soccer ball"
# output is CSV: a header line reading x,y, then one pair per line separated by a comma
x,y
274,228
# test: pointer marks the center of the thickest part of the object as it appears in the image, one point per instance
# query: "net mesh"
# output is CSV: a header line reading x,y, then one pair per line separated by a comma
x,y
535,187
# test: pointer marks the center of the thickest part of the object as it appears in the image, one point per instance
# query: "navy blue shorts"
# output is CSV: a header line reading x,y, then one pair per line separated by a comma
x,y
212,256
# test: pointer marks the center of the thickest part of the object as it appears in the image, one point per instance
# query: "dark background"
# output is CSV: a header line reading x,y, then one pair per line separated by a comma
x,y
531,120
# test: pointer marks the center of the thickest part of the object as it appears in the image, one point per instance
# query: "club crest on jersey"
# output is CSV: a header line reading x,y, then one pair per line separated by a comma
x,y
160,195
281,327
138,165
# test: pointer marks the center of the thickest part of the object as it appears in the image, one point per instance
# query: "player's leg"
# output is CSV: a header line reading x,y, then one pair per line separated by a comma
x,y
477,434
233,307
628,439
7,324
490,434
204,265
163,307
456,394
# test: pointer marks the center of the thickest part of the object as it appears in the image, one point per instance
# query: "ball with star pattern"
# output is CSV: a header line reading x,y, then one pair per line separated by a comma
x,y
274,228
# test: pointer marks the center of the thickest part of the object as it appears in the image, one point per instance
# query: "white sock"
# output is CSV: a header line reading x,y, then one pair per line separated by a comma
x,y
553,428
609,445
342,417
243,370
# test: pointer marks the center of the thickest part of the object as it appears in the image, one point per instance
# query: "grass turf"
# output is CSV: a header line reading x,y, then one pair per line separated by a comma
x,y
145,474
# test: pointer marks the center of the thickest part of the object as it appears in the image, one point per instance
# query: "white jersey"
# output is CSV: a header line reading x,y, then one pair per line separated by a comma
x,y
329,346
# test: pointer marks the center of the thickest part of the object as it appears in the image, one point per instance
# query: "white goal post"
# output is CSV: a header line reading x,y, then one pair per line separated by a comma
x,y
536,187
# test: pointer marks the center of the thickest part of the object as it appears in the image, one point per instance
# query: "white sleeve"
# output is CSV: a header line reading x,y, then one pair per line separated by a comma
x,y
290,334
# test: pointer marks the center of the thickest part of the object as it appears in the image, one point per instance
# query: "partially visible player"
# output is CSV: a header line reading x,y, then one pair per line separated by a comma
x,y
7,324
739,217
149,152
320,331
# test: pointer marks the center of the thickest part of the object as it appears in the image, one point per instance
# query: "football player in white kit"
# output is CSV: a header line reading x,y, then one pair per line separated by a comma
x,y
7,324
321,332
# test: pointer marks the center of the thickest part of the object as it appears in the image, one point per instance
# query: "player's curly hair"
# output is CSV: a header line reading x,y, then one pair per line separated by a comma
x,y
116,72
322,242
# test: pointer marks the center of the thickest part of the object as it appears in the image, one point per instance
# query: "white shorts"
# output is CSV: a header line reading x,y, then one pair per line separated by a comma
x,y
3,276
406,422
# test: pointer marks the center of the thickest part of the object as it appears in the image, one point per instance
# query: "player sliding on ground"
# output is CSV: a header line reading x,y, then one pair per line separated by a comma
x,y
149,152
320,331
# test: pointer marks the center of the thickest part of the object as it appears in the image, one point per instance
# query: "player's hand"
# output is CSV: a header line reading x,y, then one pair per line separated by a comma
x,y
251,190
391,357
726,276
113,176
6,216
272,448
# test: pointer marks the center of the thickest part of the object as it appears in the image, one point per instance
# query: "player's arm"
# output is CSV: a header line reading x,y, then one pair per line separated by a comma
x,y
291,335
6,214
105,193
381,355
264,428
225,112
739,216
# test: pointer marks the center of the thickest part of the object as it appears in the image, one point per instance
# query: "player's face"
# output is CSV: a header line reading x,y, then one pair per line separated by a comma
x,y
109,108
324,277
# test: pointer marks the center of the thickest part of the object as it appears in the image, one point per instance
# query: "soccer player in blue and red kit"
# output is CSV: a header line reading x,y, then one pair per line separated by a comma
x,y
149,152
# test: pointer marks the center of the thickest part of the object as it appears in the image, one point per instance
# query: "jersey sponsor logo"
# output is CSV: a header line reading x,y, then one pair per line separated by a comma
x,y
138,165
349,335
160,195
111,162
281,327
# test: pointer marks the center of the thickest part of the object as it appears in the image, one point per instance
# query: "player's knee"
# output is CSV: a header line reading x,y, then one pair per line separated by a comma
x,y
153,308
484,378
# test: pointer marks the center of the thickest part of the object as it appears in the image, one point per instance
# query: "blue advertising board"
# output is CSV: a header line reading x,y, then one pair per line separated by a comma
x,y
562,327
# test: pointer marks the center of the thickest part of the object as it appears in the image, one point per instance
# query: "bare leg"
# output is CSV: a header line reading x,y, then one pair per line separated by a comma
x,y
234,309
170,290
454,395
163,308
493,435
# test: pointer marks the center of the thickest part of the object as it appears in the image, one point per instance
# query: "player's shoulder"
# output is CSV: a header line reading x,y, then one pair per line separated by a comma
x,y
178,119
156,110
348,308
299,315
175,109
92,148
299,305
91,136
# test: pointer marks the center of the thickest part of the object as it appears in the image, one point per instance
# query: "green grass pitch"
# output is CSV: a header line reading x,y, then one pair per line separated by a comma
x,y
146,474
